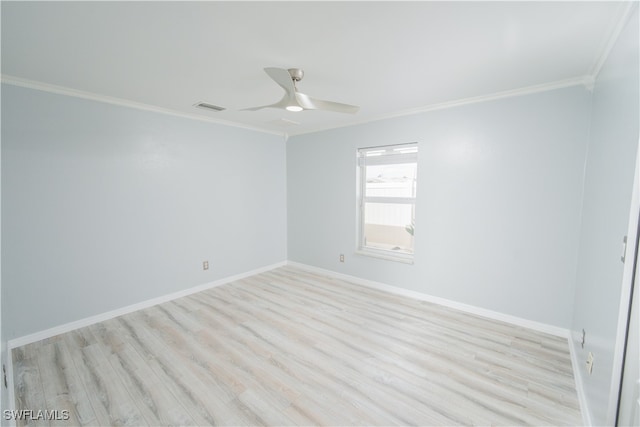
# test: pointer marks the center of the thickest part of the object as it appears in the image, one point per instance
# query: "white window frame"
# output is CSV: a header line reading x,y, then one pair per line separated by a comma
x,y
387,155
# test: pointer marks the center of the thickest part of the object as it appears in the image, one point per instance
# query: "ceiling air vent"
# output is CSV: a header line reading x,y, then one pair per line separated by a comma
x,y
210,107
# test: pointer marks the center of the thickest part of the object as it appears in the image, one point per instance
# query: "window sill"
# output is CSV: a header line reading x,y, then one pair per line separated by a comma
x,y
406,259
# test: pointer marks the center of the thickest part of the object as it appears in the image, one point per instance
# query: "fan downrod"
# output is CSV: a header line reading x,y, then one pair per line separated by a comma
x,y
296,74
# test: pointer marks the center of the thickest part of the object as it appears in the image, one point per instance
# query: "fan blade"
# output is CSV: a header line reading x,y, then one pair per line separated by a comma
x,y
283,78
309,103
280,104
292,97
257,108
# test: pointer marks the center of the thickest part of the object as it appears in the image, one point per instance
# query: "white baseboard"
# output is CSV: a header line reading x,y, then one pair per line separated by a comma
x,y
11,397
495,315
67,327
514,320
577,375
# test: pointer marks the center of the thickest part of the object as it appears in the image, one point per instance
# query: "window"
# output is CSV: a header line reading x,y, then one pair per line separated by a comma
x,y
387,200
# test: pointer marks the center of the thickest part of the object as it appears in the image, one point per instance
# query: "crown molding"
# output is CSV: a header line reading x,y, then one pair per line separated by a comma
x,y
62,90
586,81
624,12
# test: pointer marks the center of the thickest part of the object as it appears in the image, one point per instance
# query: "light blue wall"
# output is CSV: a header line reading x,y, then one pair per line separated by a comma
x,y
499,198
4,394
105,206
607,197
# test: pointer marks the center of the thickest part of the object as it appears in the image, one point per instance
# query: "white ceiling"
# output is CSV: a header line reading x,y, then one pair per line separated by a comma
x,y
389,58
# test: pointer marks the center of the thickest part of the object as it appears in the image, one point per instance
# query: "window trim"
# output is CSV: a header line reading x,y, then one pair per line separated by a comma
x,y
408,155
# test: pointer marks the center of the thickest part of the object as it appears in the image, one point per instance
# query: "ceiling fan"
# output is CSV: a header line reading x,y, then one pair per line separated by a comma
x,y
298,101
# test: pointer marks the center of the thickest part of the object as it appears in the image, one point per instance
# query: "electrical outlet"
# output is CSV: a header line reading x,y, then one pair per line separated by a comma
x,y
341,257
590,363
205,265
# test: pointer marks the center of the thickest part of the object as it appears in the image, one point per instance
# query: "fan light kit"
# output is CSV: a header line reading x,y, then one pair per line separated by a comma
x,y
298,101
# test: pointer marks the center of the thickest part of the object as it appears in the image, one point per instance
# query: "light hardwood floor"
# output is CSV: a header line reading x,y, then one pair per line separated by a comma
x,y
289,347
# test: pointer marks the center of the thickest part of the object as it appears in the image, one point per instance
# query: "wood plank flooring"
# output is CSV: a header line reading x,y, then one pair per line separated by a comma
x,y
289,347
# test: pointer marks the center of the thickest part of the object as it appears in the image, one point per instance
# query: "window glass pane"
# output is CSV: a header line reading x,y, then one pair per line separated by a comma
x,y
398,180
389,226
